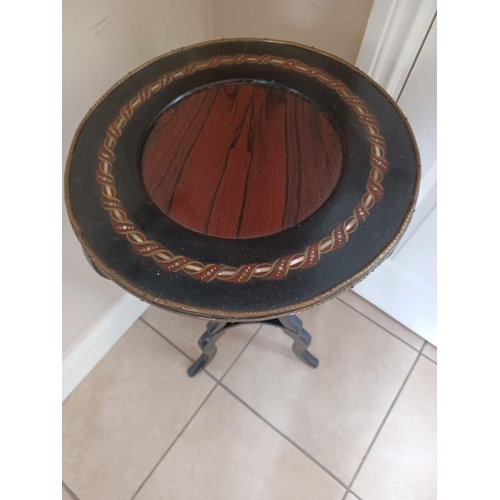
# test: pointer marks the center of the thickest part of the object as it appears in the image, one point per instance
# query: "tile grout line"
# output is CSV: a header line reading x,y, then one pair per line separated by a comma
x,y
365,456
174,441
217,383
312,459
241,352
166,339
255,333
354,495
383,327
431,360
293,443
191,359
424,355
70,491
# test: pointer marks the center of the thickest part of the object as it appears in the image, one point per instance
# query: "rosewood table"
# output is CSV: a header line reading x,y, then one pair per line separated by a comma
x,y
242,180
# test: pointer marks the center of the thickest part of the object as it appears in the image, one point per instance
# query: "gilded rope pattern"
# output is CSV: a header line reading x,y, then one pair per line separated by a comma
x,y
280,267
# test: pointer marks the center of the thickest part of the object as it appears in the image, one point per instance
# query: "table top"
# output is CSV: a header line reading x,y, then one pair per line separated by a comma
x,y
241,179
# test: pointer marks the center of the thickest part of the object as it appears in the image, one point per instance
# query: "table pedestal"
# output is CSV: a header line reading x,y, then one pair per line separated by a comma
x,y
291,325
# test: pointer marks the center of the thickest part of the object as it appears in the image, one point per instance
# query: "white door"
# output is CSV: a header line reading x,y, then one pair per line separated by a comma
x,y
405,285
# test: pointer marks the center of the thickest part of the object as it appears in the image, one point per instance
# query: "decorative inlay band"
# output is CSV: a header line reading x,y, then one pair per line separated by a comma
x,y
280,267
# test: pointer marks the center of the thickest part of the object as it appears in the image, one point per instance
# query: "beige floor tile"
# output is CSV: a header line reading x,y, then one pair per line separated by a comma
x,y
184,332
229,453
350,497
381,318
402,462
431,352
332,412
121,419
66,495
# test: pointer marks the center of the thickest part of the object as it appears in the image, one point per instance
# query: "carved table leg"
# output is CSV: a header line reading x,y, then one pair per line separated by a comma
x,y
215,330
291,325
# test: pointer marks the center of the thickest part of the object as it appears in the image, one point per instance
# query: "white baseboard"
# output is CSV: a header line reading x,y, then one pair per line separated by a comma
x,y
81,358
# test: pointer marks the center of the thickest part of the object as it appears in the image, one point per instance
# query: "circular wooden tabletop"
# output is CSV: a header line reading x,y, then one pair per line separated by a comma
x,y
241,179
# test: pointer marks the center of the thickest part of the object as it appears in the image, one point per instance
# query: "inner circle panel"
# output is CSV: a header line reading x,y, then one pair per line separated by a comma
x,y
241,160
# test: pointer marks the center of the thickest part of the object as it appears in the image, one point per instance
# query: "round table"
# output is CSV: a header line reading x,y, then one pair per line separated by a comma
x,y
242,180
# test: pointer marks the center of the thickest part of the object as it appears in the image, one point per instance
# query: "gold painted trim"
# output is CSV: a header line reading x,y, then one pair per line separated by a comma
x,y
237,315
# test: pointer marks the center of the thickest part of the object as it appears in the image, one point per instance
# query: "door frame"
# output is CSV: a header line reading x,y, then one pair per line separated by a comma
x,y
395,32
394,35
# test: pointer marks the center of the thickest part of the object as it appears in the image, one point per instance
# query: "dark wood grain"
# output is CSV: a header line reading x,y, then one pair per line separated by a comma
x,y
241,160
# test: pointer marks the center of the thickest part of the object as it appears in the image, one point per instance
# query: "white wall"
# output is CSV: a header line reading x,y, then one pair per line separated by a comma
x,y
336,26
102,41
399,52
105,39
